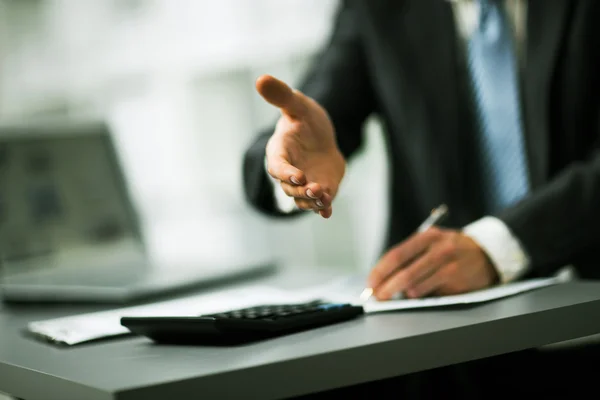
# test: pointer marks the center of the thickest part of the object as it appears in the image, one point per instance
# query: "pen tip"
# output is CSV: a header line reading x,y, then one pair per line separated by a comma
x,y
366,294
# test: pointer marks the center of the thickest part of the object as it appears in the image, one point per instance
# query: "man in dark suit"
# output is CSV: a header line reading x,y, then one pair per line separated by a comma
x,y
489,106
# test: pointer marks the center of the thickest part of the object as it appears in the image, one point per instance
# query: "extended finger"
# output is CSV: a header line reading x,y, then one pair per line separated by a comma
x,y
327,211
280,169
315,204
311,190
308,204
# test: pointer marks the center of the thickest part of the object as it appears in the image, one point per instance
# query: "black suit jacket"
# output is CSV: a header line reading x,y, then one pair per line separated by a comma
x,y
402,60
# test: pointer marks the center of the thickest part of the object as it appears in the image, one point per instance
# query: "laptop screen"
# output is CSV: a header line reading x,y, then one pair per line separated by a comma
x,y
61,192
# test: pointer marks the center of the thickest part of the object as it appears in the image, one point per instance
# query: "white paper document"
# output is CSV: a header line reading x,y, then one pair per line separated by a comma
x,y
348,289
87,327
479,296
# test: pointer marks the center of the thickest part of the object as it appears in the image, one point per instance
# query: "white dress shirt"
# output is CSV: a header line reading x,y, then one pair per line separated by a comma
x,y
492,235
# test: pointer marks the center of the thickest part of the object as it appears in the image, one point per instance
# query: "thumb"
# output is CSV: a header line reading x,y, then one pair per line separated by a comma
x,y
279,94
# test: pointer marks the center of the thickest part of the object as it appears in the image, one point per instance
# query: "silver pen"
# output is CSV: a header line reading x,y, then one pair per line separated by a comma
x,y
437,214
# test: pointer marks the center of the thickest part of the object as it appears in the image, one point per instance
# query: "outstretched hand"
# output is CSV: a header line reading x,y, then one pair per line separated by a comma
x,y
302,153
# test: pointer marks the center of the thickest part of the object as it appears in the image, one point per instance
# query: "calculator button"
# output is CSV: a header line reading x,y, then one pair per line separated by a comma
x,y
278,311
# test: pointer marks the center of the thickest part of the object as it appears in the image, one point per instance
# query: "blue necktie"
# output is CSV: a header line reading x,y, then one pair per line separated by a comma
x,y
493,68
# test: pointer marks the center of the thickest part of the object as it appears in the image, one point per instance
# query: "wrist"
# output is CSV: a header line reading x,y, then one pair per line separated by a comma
x,y
491,269
492,276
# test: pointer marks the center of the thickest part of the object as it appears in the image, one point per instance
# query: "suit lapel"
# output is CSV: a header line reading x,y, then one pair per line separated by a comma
x,y
546,21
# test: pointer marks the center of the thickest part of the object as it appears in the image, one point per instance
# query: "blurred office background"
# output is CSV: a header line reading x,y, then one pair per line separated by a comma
x,y
175,81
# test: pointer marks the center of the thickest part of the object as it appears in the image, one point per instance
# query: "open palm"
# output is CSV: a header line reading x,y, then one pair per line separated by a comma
x,y
302,153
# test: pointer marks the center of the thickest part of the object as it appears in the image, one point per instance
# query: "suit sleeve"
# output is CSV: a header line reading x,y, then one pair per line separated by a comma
x,y
339,82
559,221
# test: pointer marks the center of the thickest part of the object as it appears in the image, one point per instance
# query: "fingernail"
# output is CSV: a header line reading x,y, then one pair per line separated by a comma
x,y
294,180
310,194
319,203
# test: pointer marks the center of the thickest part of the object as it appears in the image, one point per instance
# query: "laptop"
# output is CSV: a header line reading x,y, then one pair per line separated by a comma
x,y
69,231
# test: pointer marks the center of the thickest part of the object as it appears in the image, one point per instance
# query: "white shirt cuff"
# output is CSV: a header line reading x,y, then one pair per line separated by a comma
x,y
283,202
501,246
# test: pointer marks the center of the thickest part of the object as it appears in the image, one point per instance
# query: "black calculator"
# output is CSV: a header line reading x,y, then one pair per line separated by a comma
x,y
242,325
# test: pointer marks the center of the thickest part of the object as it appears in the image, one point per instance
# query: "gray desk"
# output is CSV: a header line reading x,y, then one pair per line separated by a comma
x,y
322,359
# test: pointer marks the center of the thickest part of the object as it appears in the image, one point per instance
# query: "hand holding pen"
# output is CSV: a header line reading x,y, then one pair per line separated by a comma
x,y
433,261
436,216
